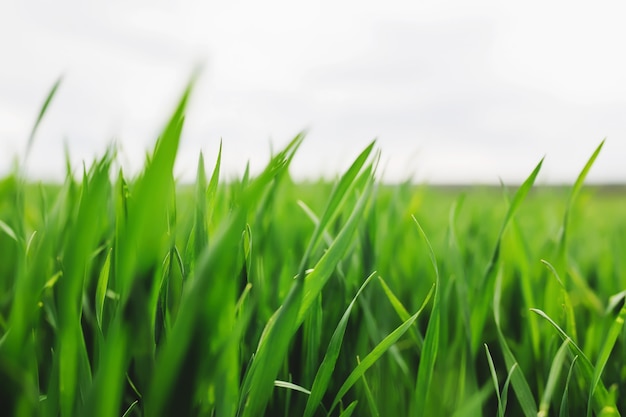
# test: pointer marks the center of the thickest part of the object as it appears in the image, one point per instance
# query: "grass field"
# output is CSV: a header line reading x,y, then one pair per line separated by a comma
x,y
261,296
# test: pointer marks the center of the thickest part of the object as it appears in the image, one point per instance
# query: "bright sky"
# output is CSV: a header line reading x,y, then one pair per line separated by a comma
x,y
454,92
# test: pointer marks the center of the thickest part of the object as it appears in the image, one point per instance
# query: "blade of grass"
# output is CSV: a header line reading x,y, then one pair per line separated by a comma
x,y
520,385
485,283
606,349
291,386
494,378
371,402
211,191
372,357
349,409
326,368
42,112
205,297
101,288
553,376
143,231
403,313
571,201
564,409
278,332
505,388
431,339
570,318
601,398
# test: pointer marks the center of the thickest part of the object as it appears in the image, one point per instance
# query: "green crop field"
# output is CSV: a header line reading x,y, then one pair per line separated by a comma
x,y
262,296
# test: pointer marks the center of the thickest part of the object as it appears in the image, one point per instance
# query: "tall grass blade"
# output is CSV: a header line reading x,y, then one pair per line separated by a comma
x,y
564,409
372,357
326,368
278,332
553,376
520,385
431,339
101,288
494,378
607,347
371,402
403,313
601,398
42,112
572,199
349,409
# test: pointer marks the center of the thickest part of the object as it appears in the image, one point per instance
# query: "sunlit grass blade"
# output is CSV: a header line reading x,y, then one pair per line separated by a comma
x,y
144,227
41,114
564,409
335,201
518,198
372,357
315,281
572,199
553,376
304,291
403,313
211,191
349,409
603,357
570,318
602,401
291,386
101,288
485,283
494,378
84,236
206,296
325,370
431,339
201,237
505,388
8,230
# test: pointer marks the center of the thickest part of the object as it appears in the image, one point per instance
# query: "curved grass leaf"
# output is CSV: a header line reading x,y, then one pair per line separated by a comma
x,y
431,339
349,409
484,285
553,376
601,397
572,199
403,313
279,331
101,288
505,388
520,385
372,357
42,112
564,409
371,402
8,230
326,368
603,357
494,378
570,318
291,386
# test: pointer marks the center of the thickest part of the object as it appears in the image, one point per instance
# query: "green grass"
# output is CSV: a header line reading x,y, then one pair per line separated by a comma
x,y
143,296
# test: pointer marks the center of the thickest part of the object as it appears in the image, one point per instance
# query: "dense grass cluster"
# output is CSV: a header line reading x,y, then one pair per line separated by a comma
x,y
261,296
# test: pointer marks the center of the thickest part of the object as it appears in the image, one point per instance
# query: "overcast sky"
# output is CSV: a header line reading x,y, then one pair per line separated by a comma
x,y
454,92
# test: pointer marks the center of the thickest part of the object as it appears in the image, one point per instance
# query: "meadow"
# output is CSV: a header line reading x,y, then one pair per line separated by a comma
x,y
263,296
